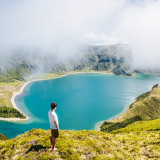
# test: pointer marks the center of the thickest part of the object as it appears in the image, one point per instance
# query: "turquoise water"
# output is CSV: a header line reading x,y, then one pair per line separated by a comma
x,y
83,100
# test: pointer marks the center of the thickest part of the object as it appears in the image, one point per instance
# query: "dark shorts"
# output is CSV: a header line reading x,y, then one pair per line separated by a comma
x,y
55,133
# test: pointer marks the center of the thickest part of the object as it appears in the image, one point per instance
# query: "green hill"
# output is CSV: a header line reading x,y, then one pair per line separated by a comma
x,y
150,125
146,107
83,144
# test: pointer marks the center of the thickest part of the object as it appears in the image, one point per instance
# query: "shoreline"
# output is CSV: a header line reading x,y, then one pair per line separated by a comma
x,y
97,126
111,119
16,93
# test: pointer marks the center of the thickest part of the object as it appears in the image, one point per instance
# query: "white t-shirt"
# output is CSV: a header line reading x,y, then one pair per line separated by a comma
x,y
52,117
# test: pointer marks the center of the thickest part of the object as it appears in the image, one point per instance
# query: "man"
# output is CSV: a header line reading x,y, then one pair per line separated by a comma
x,y
53,125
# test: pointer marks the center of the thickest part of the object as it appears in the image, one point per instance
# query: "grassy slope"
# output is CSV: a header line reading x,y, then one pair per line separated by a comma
x,y
2,137
146,107
83,145
6,89
149,125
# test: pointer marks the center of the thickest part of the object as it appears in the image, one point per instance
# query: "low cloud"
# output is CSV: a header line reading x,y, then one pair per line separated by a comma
x,y
61,27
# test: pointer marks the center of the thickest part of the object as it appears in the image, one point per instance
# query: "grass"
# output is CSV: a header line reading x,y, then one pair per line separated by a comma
x,y
2,137
110,126
6,91
13,83
83,144
150,125
147,105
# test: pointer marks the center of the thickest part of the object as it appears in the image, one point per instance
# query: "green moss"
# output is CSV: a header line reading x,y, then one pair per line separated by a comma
x,y
44,156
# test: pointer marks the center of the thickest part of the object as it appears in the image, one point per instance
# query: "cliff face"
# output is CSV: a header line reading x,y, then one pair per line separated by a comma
x,y
81,145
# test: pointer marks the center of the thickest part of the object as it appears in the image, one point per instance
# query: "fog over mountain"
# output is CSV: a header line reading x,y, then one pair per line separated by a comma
x,y
44,28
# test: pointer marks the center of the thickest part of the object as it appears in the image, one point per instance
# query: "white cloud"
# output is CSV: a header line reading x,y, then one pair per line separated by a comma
x,y
60,26
100,39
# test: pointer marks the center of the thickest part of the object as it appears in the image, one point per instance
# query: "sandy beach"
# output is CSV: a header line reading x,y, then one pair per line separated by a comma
x,y
15,106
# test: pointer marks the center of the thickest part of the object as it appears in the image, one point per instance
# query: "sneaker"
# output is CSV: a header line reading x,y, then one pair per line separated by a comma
x,y
55,149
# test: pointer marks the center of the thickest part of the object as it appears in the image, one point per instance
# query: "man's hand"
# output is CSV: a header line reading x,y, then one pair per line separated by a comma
x,y
56,124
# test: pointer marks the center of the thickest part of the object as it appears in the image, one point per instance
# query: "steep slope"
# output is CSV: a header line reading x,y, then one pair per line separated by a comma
x,y
149,125
2,137
76,145
146,107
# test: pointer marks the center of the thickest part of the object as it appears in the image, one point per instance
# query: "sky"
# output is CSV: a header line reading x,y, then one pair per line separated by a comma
x,y
63,26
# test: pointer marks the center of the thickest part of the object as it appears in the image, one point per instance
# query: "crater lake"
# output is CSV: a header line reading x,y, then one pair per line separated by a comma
x,y
83,100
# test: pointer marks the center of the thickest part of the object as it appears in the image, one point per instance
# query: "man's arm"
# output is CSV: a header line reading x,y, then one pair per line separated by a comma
x,y
56,124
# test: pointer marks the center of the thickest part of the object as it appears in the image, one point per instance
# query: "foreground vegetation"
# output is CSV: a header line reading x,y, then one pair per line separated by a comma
x,y
2,137
84,144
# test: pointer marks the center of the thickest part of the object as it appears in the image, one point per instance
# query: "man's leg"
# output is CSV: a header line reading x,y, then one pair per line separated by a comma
x,y
53,142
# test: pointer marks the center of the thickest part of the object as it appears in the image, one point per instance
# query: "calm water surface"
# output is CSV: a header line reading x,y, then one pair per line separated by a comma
x,y
83,100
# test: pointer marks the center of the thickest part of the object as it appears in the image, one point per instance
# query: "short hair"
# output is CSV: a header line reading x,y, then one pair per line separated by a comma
x,y
53,105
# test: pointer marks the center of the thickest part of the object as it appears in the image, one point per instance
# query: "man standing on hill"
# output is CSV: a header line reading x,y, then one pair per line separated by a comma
x,y
53,125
